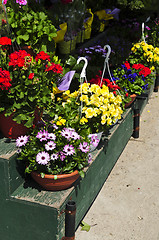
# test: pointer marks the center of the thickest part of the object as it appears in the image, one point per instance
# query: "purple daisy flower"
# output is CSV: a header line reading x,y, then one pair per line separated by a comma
x,y
62,156
69,150
55,126
21,2
42,135
84,147
50,146
75,135
54,156
21,141
42,158
66,133
89,158
94,140
52,136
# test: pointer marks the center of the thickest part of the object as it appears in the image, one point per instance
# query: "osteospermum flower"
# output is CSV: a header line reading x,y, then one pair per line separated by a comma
x,y
21,141
42,135
21,2
94,140
84,147
66,133
75,135
54,156
69,150
42,158
51,136
50,146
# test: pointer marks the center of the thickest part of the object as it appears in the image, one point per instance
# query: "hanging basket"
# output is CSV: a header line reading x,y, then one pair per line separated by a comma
x,y
56,182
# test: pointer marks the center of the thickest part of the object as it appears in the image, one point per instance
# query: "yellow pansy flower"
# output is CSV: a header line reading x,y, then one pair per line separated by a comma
x,y
83,120
95,89
61,121
89,112
84,98
109,121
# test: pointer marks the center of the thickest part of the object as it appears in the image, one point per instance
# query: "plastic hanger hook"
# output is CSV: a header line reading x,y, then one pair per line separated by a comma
x,y
83,73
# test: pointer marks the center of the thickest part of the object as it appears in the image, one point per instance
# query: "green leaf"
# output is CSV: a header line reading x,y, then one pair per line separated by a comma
x,y
42,15
25,37
81,173
85,226
42,175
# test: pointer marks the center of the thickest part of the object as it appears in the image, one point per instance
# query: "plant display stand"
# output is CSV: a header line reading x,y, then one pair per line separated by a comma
x,y
29,212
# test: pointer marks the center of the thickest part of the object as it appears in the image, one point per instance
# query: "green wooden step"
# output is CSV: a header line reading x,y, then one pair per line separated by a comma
x,y
29,212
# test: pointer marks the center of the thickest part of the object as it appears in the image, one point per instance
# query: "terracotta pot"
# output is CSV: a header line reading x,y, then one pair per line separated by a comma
x,y
13,130
133,97
56,182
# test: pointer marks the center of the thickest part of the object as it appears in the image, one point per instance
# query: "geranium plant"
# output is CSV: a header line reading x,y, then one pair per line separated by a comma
x,y
53,149
30,27
26,83
133,78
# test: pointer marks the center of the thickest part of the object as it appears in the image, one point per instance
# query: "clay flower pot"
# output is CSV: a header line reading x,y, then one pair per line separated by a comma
x,y
133,97
13,130
56,182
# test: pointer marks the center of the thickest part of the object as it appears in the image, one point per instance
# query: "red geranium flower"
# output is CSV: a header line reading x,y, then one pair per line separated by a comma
x,y
145,71
5,41
31,75
138,66
19,58
43,56
5,79
127,65
56,68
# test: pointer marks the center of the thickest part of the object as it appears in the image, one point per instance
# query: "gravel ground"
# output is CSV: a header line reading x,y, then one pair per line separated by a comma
x,y
127,207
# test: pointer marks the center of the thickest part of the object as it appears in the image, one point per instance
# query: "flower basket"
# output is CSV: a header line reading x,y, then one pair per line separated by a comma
x,y
133,97
56,182
87,33
65,47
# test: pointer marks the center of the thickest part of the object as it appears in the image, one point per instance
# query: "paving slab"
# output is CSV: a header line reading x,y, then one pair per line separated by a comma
x,y
127,206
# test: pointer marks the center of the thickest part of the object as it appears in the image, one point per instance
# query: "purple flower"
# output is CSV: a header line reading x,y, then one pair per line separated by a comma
x,y
50,146
84,147
21,141
66,133
62,156
89,158
54,156
55,126
94,140
21,2
42,158
52,136
42,135
75,135
69,150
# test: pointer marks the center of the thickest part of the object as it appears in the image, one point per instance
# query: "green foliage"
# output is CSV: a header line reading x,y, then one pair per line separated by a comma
x,y
32,28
